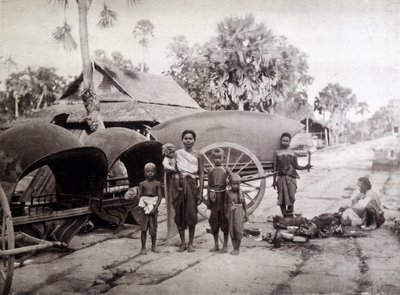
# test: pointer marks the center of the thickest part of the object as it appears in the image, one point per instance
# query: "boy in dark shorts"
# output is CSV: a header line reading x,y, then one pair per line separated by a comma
x,y
149,195
236,212
217,181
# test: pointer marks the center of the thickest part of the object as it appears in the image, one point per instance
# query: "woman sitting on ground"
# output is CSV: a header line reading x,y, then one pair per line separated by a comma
x,y
366,206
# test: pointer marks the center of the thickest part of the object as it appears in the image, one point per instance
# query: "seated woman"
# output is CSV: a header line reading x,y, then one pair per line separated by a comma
x,y
365,209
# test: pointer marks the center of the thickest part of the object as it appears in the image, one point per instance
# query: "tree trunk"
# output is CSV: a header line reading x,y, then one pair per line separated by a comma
x,y
241,105
16,107
88,96
271,108
40,101
142,65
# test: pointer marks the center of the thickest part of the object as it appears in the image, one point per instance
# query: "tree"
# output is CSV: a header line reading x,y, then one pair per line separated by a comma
x,y
337,100
381,121
8,63
117,59
64,36
142,31
190,70
243,67
362,108
31,89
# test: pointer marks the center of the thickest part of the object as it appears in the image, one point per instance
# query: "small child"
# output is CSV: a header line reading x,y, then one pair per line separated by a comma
x,y
284,179
217,181
169,163
236,212
149,195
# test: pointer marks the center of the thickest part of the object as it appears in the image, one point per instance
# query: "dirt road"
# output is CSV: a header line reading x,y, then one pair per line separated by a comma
x,y
101,262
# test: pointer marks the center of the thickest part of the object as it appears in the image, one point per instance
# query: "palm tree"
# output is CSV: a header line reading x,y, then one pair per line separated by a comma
x,y
142,31
63,35
362,108
253,67
337,100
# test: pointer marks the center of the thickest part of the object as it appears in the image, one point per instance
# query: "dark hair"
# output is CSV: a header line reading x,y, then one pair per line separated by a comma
x,y
366,182
188,131
285,134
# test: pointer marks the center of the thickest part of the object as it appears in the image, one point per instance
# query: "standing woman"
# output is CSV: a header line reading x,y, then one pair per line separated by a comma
x,y
285,166
190,166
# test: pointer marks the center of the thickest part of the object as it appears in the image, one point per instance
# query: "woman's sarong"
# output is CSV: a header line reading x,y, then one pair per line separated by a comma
x,y
185,203
287,187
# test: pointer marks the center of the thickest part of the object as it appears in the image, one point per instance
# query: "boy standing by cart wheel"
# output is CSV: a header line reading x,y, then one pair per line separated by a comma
x,y
236,212
217,181
149,196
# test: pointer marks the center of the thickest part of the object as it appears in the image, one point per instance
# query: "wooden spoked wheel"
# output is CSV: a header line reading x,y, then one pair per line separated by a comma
x,y
242,161
7,242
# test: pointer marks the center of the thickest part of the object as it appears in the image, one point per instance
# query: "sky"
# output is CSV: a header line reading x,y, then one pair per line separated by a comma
x,y
355,43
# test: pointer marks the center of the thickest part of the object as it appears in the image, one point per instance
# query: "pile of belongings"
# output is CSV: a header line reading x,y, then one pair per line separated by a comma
x,y
299,229
320,226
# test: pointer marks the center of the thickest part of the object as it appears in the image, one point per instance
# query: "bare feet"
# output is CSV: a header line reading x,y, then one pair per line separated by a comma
x,y
371,227
224,250
155,250
143,252
191,249
182,248
214,249
234,252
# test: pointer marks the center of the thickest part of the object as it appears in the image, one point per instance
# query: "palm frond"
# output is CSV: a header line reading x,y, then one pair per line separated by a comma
x,y
61,2
63,36
133,2
107,18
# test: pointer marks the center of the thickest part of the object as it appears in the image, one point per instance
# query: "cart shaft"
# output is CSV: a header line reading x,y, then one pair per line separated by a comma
x,y
26,249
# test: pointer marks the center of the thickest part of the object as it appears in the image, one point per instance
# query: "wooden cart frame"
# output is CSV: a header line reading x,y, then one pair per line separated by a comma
x,y
41,221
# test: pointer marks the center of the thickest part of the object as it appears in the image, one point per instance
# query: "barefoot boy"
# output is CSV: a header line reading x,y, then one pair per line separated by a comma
x,y
149,195
236,212
217,180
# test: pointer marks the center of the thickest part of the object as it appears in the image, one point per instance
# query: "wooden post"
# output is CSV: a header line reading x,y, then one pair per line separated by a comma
x,y
307,126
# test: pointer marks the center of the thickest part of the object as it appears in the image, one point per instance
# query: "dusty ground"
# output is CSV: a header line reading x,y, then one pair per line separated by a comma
x,y
105,263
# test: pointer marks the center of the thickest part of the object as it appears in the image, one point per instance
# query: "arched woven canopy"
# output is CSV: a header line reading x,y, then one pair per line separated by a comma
x,y
131,148
78,170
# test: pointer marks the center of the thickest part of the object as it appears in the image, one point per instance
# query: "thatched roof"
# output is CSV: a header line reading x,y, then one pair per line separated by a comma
x,y
125,96
125,85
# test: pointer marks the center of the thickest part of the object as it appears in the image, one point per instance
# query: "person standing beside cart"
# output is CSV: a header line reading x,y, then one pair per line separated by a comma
x,y
217,182
190,166
284,179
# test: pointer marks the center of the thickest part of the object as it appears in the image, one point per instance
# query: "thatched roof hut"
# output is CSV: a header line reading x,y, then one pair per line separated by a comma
x,y
127,99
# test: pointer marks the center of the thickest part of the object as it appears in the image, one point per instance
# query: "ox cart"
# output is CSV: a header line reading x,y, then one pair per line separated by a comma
x,y
70,182
30,222
90,179
249,140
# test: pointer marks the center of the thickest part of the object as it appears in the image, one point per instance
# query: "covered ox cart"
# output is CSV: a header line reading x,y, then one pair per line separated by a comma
x,y
127,152
249,140
30,222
